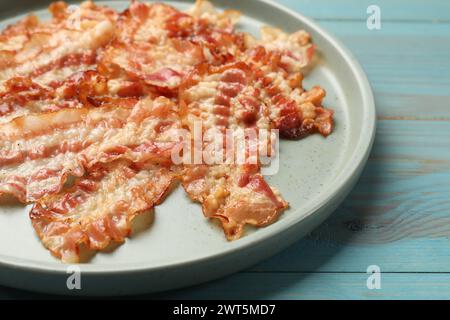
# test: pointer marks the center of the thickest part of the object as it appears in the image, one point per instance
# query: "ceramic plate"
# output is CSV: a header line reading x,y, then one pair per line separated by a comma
x,y
180,247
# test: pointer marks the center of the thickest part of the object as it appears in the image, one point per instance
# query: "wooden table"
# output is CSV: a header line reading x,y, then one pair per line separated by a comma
x,y
398,216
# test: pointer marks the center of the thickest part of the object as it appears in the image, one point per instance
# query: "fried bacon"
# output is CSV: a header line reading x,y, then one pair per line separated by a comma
x,y
22,96
224,97
236,195
260,91
39,152
85,89
99,207
100,96
51,51
142,51
296,112
40,62
160,66
159,45
295,50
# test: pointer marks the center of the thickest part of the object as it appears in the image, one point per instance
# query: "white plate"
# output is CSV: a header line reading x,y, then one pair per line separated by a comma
x,y
181,247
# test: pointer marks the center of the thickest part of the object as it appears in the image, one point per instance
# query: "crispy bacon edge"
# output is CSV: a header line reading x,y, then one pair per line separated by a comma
x,y
223,205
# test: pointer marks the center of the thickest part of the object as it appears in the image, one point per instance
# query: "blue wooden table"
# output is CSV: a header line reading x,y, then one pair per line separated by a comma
x,y
398,216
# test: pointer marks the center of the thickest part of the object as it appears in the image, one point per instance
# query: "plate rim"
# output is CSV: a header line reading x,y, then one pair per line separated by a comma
x,y
350,171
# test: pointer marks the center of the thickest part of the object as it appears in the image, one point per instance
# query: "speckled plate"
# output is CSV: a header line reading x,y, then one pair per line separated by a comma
x,y
180,247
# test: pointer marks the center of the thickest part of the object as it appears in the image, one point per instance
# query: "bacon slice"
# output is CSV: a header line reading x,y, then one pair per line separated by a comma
x,y
259,90
294,52
278,60
142,50
52,51
205,10
161,66
22,96
84,89
41,62
236,194
39,152
293,110
158,45
99,208
224,97
212,30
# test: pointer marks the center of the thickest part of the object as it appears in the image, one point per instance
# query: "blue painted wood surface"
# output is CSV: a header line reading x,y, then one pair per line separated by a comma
x,y
398,216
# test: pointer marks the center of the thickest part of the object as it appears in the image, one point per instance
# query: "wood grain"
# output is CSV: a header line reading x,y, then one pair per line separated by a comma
x,y
407,64
397,10
319,286
305,286
396,217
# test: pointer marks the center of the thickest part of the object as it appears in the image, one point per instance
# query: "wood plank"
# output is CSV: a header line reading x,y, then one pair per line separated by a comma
x,y
398,215
246,285
407,65
318,286
400,10
413,10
